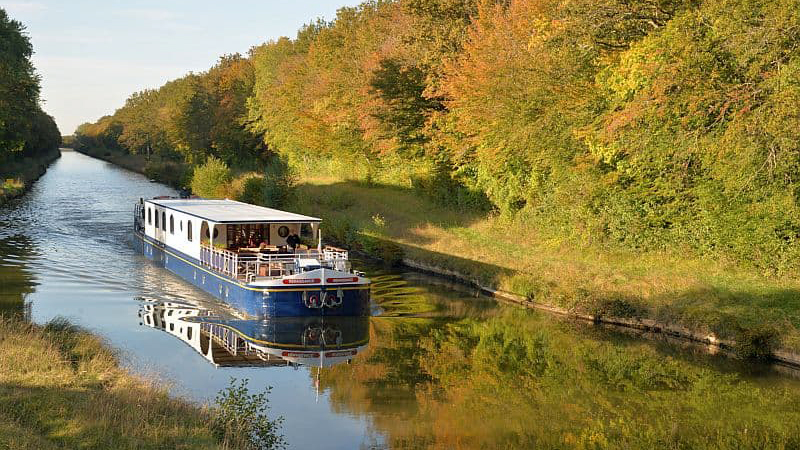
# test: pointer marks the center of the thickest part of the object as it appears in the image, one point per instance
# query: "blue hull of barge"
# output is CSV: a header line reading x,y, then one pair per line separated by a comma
x,y
258,303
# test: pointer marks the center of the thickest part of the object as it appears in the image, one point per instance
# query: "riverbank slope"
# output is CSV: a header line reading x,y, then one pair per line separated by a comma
x,y
62,387
707,298
19,176
698,298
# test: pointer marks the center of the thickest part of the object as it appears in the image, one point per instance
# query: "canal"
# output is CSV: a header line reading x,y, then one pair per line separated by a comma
x,y
436,367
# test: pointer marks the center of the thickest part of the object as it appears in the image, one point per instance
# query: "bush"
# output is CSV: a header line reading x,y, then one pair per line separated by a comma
x,y
248,188
342,232
211,179
387,251
170,173
240,419
278,183
757,342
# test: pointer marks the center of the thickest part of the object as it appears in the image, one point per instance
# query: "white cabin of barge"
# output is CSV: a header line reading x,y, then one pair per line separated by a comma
x,y
238,239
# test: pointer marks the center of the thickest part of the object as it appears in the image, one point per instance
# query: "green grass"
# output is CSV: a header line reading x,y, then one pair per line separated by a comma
x,y
12,186
705,295
61,387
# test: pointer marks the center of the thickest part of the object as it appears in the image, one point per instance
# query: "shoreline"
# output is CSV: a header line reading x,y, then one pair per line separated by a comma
x,y
781,356
30,175
378,251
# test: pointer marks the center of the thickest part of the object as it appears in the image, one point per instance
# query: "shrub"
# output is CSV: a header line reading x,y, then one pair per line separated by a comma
x,y
240,419
12,187
387,251
254,190
170,173
210,179
757,342
278,183
342,232
248,188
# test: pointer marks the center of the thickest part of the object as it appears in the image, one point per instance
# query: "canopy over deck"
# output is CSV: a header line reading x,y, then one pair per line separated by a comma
x,y
230,211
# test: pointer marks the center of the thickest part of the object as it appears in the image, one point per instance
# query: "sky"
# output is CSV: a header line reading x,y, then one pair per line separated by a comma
x,y
92,54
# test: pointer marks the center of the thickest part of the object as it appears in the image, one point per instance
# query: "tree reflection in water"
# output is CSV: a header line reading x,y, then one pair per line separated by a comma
x,y
16,279
513,378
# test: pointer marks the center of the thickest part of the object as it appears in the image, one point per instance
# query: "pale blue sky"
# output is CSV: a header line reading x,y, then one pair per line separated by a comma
x,y
93,54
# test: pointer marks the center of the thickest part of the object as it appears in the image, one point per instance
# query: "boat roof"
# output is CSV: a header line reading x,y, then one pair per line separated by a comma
x,y
231,211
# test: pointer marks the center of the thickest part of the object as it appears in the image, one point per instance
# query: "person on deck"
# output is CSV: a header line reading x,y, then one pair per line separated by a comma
x,y
293,241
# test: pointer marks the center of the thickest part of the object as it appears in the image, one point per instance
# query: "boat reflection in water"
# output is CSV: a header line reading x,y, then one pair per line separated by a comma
x,y
230,342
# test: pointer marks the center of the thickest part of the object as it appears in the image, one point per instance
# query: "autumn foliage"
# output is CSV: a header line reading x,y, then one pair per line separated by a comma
x,y
649,124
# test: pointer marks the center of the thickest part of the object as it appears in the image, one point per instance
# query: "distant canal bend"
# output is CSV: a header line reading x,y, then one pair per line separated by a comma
x,y
437,368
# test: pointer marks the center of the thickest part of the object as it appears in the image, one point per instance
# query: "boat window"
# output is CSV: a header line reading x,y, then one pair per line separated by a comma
x,y
306,231
164,220
181,225
150,216
189,333
156,219
189,230
283,231
171,224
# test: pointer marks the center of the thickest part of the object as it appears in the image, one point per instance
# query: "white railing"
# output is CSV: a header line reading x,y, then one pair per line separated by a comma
x,y
221,260
250,266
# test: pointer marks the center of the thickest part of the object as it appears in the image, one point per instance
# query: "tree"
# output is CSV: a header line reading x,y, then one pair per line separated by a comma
x,y
25,130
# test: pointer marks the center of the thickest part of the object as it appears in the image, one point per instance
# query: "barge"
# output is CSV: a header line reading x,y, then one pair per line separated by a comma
x,y
260,261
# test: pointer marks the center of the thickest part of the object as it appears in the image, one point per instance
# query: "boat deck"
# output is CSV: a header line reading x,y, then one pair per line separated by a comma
x,y
248,265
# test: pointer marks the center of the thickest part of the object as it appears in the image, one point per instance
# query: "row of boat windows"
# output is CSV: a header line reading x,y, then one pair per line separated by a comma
x,y
172,327
163,223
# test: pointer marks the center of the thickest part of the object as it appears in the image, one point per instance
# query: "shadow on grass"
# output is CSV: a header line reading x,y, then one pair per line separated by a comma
x,y
381,208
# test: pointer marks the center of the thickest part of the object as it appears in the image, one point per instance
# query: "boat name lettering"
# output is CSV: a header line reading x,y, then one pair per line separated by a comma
x,y
301,280
344,353
342,280
300,355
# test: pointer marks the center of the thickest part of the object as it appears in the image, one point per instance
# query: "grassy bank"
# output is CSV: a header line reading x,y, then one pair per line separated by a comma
x,y
61,387
16,176
714,297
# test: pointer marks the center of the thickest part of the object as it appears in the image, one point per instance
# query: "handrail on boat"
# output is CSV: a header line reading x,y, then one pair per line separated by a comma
x,y
250,266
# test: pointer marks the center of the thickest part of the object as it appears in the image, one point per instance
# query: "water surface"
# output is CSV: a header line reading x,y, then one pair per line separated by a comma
x,y
440,367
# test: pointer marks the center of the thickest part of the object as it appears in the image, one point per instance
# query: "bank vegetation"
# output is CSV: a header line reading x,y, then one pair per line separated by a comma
x,y
29,137
63,387
626,158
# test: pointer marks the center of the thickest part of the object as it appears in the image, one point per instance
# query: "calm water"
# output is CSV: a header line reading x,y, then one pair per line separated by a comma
x,y
441,367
